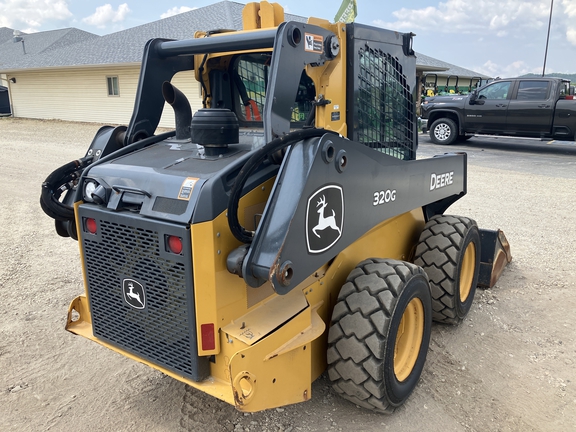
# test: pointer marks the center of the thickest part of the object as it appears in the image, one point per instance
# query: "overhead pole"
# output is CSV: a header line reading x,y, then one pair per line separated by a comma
x,y
548,37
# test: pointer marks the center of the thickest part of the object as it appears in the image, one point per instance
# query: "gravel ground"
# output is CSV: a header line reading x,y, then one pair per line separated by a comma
x,y
510,366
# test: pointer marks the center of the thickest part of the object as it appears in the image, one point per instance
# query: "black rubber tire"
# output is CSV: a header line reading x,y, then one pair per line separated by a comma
x,y
364,330
440,252
444,131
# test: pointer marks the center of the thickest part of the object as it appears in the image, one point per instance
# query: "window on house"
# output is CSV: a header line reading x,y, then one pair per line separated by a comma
x,y
113,88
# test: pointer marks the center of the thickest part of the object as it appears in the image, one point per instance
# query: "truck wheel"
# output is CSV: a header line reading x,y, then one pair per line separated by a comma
x,y
379,334
449,252
443,131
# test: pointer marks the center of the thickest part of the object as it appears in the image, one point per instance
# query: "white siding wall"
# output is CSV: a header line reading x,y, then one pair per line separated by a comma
x,y
82,95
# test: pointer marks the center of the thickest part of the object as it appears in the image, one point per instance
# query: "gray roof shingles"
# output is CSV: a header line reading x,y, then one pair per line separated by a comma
x,y
6,34
432,65
126,46
36,44
73,47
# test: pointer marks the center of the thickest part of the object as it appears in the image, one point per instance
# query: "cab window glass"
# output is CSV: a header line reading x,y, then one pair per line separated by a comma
x,y
499,90
251,83
533,90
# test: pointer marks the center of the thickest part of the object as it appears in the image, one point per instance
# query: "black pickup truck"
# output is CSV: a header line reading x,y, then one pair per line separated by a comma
x,y
521,107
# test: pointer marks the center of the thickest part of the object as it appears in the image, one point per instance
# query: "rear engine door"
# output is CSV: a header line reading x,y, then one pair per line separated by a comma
x,y
531,109
488,114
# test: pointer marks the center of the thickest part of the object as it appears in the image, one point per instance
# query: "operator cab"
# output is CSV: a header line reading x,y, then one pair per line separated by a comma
x,y
237,85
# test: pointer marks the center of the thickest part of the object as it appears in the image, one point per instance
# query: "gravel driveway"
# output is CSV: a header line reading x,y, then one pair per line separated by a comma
x,y
510,366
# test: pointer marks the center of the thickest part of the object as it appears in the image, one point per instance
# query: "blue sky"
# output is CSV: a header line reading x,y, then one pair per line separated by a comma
x,y
494,37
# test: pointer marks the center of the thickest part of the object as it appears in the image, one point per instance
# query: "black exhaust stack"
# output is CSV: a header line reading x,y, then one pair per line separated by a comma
x,y
182,110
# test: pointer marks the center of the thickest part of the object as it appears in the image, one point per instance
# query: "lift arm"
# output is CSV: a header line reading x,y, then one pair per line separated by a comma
x,y
331,191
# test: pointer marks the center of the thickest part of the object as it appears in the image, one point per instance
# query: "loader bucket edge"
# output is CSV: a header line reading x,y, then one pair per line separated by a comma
x,y
494,256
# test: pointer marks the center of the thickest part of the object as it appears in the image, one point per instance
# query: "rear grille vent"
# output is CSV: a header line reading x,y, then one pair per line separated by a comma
x,y
170,205
164,330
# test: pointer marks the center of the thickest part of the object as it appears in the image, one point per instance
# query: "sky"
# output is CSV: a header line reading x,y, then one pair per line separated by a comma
x,y
502,38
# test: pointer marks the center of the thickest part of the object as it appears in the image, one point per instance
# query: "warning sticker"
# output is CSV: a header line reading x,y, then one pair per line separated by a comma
x,y
187,188
313,43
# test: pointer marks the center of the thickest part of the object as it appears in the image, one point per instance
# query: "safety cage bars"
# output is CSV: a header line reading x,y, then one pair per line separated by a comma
x,y
384,105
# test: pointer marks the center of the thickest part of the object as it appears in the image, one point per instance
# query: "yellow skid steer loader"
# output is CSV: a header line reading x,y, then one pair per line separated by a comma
x,y
284,229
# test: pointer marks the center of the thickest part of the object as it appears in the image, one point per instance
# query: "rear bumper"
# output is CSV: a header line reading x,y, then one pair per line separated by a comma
x,y
79,323
275,371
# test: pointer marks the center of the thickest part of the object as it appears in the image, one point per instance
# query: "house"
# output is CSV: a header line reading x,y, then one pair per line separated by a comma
x,y
22,49
79,76
95,80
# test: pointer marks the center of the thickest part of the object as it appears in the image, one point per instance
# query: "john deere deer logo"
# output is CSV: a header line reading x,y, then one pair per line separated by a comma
x,y
134,293
325,222
324,218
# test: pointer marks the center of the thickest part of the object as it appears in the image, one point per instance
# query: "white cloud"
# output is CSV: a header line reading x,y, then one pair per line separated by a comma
x,y
106,14
29,15
175,11
571,36
462,16
469,33
502,31
570,19
513,69
489,68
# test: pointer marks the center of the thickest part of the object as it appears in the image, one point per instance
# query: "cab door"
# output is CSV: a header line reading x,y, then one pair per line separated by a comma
x,y
488,112
530,110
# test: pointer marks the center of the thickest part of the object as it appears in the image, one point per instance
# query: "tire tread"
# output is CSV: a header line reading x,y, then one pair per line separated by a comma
x,y
437,254
356,345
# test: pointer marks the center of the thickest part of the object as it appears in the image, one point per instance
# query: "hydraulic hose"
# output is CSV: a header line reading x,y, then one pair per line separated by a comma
x,y
257,158
135,146
65,178
58,182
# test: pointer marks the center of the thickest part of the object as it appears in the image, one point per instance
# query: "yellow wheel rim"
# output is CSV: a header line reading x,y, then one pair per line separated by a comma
x,y
408,339
467,271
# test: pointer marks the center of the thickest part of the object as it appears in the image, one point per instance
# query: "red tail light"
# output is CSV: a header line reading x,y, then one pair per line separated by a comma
x,y
208,337
91,225
175,245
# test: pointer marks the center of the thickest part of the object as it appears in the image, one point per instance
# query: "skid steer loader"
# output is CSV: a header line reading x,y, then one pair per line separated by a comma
x,y
284,229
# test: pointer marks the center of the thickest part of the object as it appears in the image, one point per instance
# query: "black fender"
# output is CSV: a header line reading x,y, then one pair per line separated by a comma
x,y
434,115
